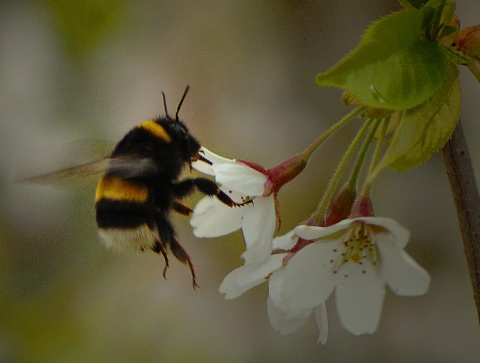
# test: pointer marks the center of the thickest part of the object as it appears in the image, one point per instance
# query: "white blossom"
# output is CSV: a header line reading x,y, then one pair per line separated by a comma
x,y
357,258
212,218
271,269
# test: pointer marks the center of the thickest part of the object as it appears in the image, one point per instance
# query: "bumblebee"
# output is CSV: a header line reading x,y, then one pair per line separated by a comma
x,y
140,186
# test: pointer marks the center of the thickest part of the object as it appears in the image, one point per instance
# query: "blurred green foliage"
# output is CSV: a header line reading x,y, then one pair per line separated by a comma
x,y
84,24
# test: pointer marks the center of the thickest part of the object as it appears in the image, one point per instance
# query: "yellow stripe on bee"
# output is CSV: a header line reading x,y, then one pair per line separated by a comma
x,y
156,130
113,188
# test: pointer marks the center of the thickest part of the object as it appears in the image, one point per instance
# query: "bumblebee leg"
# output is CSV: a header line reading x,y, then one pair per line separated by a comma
x,y
183,188
207,187
167,235
159,247
165,232
181,208
179,252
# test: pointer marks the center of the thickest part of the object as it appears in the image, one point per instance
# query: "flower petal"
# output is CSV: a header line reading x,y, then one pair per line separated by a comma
x,y
247,276
286,241
240,177
400,234
322,322
359,297
308,276
205,167
286,321
258,228
275,283
214,158
402,273
314,232
212,218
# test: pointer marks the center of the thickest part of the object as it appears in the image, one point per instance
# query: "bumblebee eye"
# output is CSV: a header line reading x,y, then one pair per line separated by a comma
x,y
179,130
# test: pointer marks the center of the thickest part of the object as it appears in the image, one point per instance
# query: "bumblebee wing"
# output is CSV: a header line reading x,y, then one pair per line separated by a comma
x,y
122,166
132,166
71,175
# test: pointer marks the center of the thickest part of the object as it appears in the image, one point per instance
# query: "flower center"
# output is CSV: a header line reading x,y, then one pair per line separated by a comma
x,y
358,246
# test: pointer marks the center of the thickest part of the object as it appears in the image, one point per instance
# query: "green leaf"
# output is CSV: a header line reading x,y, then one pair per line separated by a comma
x,y
442,22
392,67
84,23
409,4
456,57
447,30
424,129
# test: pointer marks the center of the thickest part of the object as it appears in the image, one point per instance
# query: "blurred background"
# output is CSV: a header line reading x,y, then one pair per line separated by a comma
x,y
82,72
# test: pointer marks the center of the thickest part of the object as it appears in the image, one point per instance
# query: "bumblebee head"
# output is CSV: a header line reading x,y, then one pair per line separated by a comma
x,y
165,139
187,144
179,132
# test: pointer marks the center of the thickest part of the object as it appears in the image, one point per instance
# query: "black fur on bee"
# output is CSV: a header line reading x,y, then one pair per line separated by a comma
x,y
133,206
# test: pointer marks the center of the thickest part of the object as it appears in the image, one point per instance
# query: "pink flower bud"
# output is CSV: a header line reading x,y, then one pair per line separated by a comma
x,y
468,41
341,205
362,208
280,174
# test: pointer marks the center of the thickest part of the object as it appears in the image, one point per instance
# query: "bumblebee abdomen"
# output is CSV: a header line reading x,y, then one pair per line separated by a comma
x,y
123,190
139,238
125,214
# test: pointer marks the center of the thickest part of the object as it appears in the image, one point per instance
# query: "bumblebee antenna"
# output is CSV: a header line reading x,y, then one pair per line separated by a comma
x,y
181,101
165,104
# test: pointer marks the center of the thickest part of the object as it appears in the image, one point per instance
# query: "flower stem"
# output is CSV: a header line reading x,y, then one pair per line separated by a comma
x,y
319,215
376,156
465,192
361,157
311,149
